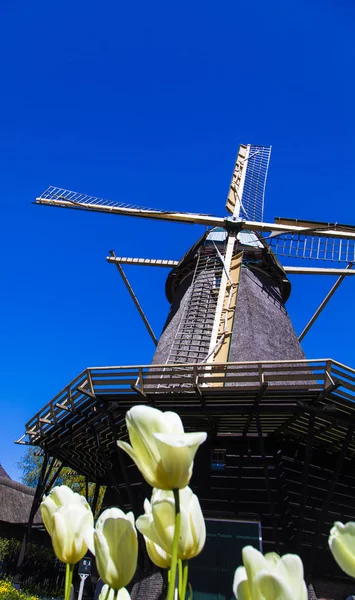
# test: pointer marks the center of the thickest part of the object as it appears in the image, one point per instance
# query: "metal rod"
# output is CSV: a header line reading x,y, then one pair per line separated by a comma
x,y
323,304
135,300
316,271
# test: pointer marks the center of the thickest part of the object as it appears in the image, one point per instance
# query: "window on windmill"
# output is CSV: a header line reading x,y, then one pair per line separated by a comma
x,y
218,459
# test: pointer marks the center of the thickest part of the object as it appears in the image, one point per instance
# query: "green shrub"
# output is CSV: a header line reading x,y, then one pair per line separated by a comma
x,y
41,575
8,592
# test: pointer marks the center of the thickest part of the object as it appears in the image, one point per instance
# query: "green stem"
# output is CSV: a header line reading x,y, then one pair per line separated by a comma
x,y
172,582
69,570
180,578
185,576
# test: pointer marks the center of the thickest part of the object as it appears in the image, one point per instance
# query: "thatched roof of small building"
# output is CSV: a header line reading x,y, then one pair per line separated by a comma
x,y
16,501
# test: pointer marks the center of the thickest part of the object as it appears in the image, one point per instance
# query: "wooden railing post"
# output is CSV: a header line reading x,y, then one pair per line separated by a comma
x,y
261,374
140,379
327,374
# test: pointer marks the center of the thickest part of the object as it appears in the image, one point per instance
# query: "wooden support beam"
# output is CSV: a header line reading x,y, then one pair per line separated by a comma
x,y
42,480
143,262
53,480
86,392
121,461
135,299
228,309
66,199
306,465
95,499
283,504
108,467
268,484
235,192
259,396
135,388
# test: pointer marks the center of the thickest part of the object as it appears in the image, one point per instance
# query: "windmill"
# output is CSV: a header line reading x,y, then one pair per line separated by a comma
x,y
206,327
281,444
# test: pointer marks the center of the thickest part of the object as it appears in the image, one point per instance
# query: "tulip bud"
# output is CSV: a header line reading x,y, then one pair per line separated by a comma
x,y
161,449
158,525
114,543
269,577
342,546
67,518
108,593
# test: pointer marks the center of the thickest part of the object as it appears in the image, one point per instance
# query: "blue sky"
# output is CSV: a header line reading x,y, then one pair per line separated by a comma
x,y
147,103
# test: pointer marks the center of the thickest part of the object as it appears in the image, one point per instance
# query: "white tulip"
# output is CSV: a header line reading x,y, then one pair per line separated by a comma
x,y
158,525
67,518
269,577
342,546
114,543
161,449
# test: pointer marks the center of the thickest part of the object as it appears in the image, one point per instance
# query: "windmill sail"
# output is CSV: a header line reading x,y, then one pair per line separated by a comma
x,y
315,246
248,185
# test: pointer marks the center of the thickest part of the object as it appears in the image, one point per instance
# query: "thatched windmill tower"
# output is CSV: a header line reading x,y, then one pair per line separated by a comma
x,y
280,447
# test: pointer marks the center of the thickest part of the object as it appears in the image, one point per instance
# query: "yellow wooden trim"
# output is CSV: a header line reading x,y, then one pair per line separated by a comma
x,y
237,183
228,311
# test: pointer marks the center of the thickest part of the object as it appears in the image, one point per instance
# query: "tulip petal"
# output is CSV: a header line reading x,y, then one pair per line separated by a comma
x,y
182,440
197,525
343,555
89,539
254,563
62,542
172,422
290,569
142,423
123,594
157,555
240,585
48,508
144,525
177,452
116,547
127,448
62,495
268,586
140,456
107,593
272,558
102,553
163,513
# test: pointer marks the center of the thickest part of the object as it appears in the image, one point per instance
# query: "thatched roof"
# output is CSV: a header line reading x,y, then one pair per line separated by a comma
x,y
3,472
16,501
